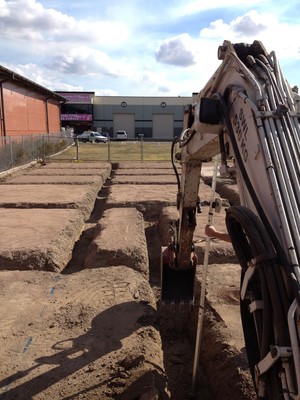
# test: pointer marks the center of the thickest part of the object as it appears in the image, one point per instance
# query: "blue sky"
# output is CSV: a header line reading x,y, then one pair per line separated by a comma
x,y
140,47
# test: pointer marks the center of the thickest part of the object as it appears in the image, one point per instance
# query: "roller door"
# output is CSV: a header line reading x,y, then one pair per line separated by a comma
x,y
163,126
124,122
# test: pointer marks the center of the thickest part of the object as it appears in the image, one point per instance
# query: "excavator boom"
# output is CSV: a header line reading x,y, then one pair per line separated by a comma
x,y
249,112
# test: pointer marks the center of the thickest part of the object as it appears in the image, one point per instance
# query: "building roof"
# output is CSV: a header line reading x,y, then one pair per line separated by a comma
x,y
8,75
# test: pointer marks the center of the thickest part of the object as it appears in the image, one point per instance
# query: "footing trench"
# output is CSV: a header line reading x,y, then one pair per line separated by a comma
x,y
80,286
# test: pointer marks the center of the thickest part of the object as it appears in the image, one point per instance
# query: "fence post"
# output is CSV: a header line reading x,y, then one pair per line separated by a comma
x,y
77,149
43,148
23,151
11,152
108,149
142,146
33,155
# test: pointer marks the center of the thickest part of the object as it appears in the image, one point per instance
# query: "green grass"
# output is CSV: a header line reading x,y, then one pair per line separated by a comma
x,y
118,151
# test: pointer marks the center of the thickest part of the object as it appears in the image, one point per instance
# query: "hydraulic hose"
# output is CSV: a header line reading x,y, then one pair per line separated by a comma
x,y
282,256
176,140
251,241
266,325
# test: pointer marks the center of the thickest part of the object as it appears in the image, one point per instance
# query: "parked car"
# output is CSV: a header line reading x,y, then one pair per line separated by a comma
x,y
121,135
92,137
97,138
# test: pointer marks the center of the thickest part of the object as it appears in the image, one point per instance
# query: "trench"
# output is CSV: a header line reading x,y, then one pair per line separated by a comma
x,y
177,341
177,329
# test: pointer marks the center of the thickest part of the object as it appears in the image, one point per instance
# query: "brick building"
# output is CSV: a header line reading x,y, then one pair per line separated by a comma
x,y
27,108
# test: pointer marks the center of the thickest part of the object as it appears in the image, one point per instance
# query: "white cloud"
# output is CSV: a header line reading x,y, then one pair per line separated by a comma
x,y
280,37
36,23
85,61
250,24
190,7
106,92
176,51
128,48
48,78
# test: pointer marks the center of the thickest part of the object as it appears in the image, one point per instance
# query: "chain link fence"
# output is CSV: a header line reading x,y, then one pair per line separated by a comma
x,y
20,150
16,151
139,149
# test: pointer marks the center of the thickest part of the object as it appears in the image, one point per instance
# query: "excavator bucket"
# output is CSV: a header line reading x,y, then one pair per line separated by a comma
x,y
177,285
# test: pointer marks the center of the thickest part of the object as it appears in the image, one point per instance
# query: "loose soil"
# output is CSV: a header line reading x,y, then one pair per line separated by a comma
x,y
88,362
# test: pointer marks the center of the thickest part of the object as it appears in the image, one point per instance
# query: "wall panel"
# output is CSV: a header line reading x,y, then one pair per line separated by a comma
x,y
25,111
53,117
36,110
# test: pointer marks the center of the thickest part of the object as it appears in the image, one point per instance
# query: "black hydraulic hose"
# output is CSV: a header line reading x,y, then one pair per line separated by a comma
x,y
222,148
251,241
261,213
238,221
176,140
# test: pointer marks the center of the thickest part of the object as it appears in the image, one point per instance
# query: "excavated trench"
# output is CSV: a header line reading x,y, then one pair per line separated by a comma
x,y
94,328
222,374
176,339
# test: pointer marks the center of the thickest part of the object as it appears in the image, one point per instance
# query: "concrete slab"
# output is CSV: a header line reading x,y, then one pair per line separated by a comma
x,y
90,334
119,240
81,197
37,238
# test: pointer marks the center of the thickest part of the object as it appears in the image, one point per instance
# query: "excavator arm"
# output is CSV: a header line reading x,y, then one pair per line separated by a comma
x,y
248,110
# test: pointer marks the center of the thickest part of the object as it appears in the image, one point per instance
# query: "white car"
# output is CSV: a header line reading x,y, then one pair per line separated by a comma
x,y
121,135
97,138
92,137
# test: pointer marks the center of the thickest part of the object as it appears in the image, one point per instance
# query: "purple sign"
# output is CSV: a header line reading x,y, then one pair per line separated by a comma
x,y
76,117
77,97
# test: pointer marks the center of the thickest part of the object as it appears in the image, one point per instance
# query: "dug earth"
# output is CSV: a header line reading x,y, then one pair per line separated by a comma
x,y
80,248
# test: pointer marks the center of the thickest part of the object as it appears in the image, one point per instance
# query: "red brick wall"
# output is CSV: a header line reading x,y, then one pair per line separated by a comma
x,y
25,111
53,116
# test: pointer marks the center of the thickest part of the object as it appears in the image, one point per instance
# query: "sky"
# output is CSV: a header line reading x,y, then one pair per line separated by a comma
x,y
140,47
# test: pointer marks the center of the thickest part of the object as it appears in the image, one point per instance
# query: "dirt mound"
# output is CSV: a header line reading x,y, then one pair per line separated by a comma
x,y
87,335
119,240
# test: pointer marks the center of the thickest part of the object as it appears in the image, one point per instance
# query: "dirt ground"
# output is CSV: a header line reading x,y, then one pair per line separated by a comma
x,y
98,331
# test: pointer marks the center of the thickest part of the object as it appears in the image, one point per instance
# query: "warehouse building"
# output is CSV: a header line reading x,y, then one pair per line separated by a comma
x,y
153,117
27,108
77,111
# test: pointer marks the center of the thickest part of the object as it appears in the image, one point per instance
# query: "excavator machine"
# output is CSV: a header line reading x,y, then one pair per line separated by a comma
x,y
247,111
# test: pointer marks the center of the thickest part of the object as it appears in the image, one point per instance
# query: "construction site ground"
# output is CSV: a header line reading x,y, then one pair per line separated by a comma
x,y
80,312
